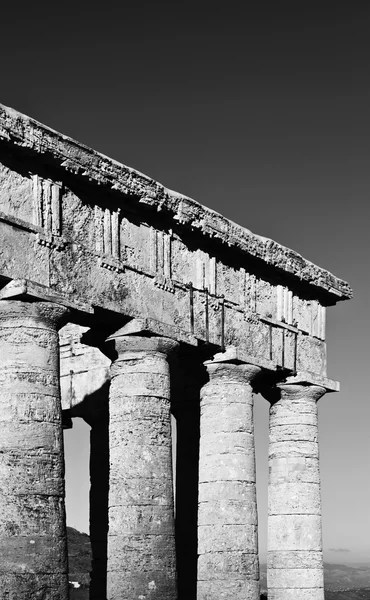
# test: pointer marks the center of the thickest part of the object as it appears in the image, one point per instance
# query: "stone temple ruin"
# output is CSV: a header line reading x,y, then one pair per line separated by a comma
x,y
162,306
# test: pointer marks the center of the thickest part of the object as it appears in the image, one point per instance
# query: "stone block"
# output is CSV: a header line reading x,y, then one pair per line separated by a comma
x,y
228,565
154,585
294,559
295,578
134,520
141,553
227,538
290,469
294,498
30,586
227,467
230,417
239,444
294,532
227,589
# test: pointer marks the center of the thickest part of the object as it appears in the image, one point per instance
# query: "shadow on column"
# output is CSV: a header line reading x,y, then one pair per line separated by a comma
x,y
95,411
189,376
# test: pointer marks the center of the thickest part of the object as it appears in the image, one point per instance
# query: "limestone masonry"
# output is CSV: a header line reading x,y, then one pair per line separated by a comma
x,y
163,307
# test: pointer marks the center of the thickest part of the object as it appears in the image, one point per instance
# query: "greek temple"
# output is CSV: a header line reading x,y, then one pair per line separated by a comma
x,y
128,304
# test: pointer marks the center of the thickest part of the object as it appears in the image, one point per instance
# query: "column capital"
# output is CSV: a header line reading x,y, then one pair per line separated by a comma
x,y
50,313
135,343
294,391
231,372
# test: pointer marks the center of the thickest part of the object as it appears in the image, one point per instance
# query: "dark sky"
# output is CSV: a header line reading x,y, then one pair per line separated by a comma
x,y
229,104
259,110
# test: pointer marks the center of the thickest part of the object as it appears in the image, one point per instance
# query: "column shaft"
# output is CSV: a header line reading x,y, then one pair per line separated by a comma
x,y
295,564
227,517
141,538
33,546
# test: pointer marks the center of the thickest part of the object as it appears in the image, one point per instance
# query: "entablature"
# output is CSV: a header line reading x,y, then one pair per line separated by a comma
x,y
131,190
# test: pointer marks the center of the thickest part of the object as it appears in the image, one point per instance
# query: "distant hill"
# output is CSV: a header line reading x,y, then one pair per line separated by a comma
x,y
345,577
79,559
357,594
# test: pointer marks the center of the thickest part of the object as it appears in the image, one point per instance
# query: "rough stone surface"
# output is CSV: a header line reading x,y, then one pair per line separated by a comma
x,y
141,540
228,588
227,517
33,552
295,563
33,586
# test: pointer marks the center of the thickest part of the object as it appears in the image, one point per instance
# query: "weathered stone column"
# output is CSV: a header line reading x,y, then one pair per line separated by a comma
x,y
227,518
141,537
33,546
295,562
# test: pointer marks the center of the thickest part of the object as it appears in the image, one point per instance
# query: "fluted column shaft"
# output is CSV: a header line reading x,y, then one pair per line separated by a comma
x,y
141,537
33,546
295,562
227,517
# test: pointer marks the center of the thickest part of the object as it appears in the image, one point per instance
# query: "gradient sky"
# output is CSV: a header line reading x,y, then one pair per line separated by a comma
x,y
259,112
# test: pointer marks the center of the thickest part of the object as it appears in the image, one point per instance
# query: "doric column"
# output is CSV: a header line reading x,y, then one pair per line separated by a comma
x,y
141,537
227,517
295,562
33,548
